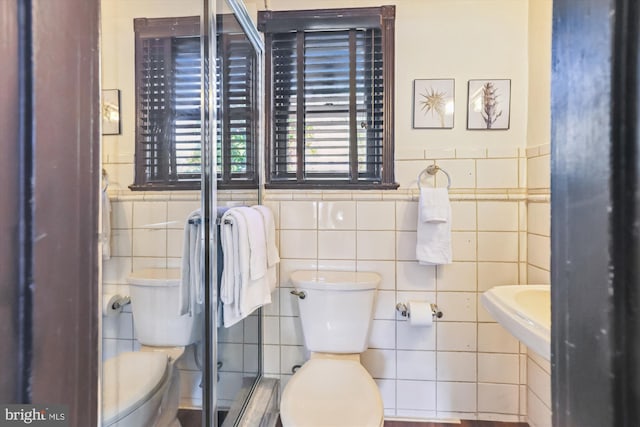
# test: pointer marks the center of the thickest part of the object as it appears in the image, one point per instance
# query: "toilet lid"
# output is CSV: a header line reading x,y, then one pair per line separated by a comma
x,y
326,392
129,379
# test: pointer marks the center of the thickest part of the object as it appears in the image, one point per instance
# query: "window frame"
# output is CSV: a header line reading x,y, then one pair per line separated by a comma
x,y
382,18
189,26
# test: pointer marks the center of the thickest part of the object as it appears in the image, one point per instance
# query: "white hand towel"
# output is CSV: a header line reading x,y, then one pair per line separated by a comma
x,y
246,294
434,205
257,242
273,257
105,237
433,242
190,283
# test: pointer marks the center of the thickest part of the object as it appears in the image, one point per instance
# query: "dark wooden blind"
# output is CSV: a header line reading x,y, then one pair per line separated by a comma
x,y
237,135
168,98
329,107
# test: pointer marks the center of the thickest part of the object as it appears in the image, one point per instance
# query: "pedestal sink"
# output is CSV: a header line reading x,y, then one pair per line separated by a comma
x,y
524,311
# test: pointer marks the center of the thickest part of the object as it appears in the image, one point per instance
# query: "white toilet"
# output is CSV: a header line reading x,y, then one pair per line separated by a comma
x,y
142,388
333,388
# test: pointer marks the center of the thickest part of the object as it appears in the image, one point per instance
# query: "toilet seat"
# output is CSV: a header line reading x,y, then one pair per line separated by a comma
x,y
330,391
130,379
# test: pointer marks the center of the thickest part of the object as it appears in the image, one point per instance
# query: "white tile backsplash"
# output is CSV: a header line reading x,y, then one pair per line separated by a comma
x,y
458,367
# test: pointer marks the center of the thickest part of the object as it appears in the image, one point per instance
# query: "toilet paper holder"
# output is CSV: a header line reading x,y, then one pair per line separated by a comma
x,y
404,310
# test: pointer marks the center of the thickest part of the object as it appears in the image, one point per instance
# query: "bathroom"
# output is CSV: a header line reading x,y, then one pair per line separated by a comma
x,y
464,366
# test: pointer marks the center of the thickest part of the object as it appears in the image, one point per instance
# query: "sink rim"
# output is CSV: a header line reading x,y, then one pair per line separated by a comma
x,y
501,303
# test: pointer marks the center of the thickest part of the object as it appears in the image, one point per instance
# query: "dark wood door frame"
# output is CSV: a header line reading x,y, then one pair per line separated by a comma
x,y
49,170
594,198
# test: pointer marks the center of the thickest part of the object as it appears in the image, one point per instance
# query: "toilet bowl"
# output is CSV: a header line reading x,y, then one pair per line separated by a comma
x,y
333,388
142,388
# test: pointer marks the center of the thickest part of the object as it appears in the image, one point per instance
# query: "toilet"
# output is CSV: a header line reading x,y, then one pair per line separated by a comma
x,y
333,388
142,388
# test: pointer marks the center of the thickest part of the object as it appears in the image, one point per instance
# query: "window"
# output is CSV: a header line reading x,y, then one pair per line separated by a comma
x,y
168,105
330,91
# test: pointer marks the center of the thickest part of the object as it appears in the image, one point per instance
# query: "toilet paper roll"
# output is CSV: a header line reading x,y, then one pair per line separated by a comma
x,y
420,313
109,302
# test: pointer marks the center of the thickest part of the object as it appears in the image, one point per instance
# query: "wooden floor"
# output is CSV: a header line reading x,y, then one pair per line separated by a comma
x,y
193,418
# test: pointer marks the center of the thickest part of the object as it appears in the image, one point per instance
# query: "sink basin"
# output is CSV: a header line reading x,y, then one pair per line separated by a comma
x,y
524,311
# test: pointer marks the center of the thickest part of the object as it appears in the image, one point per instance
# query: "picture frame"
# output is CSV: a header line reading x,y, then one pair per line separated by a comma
x,y
111,112
489,104
433,103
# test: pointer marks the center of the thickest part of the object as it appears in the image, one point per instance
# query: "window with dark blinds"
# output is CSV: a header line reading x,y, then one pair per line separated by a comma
x,y
168,106
330,86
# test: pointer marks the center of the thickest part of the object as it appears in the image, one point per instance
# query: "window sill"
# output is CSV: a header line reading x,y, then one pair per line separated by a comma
x,y
329,186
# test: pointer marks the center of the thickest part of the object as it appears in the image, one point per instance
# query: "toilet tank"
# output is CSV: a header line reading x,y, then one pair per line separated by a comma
x,y
337,309
155,296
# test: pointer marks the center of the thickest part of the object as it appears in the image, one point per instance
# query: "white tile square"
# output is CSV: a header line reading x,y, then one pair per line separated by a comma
x,y
337,264
538,275
459,276
178,212
121,215
502,152
539,251
388,392
149,214
406,215
118,327
234,334
498,216
291,331
385,308
140,263
375,245
337,244
376,215
298,244
290,356
298,215
440,153
463,245
457,306
538,414
120,242
539,382
175,242
416,365
463,216
383,334
498,246
492,338
539,172
271,359
336,215
288,303
498,368
412,276
231,357
456,336
149,242
456,397
406,173
483,314
497,173
386,269
419,395
539,218
500,398
379,363
462,172
492,274
251,329
457,366
415,337
406,245
273,309
271,330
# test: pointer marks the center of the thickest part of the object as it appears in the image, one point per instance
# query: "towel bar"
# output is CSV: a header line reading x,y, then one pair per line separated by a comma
x,y
432,170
